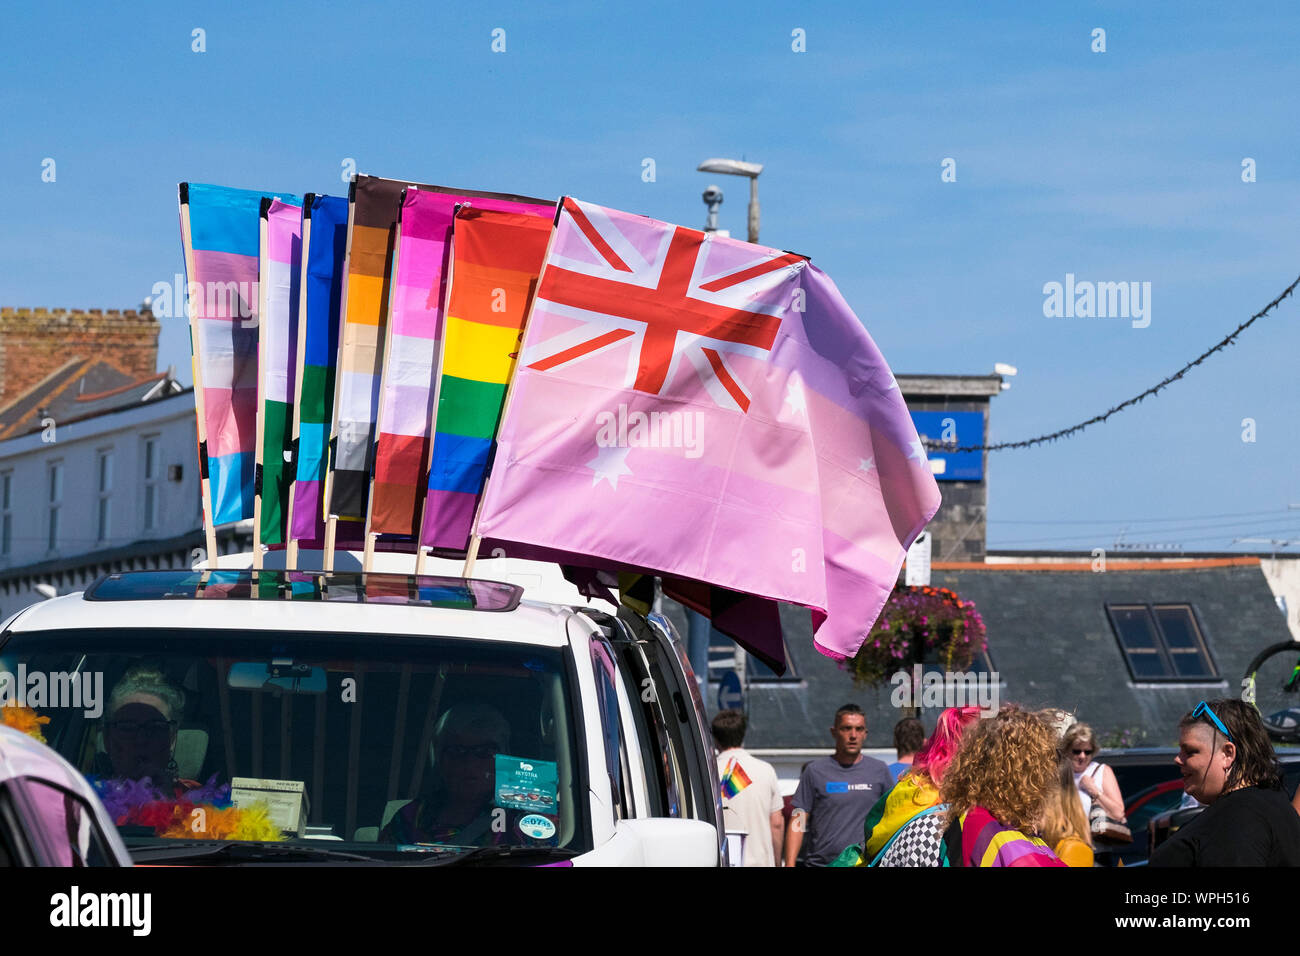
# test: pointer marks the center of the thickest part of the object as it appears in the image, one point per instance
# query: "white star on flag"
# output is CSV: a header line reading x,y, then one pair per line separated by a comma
x,y
918,452
794,395
866,464
608,465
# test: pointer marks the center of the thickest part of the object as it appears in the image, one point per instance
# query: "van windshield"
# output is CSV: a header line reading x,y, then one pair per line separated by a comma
x,y
280,743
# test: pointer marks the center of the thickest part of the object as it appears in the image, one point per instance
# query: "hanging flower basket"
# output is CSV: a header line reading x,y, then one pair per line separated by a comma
x,y
919,624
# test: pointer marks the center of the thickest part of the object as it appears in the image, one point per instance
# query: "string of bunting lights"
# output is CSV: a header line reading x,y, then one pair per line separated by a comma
x,y
1097,419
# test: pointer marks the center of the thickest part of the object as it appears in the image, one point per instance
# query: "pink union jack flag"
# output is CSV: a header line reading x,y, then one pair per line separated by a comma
x,y
666,299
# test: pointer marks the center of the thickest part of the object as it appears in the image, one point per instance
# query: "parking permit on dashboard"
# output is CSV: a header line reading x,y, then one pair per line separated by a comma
x,y
525,784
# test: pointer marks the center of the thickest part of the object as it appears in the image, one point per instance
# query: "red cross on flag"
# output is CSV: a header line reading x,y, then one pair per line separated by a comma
x,y
656,294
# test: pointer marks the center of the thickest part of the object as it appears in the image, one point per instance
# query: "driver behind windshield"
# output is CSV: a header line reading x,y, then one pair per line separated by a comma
x,y
459,808
140,730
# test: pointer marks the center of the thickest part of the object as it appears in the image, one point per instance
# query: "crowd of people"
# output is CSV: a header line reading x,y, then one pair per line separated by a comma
x,y
1017,788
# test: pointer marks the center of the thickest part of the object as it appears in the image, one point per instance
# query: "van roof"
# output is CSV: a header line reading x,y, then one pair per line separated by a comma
x,y
335,602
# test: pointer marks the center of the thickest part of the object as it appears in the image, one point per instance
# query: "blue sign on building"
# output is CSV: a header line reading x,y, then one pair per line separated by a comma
x,y
730,696
955,430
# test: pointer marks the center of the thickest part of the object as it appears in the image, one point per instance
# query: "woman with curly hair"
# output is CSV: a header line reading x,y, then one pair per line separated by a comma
x,y
1228,764
996,789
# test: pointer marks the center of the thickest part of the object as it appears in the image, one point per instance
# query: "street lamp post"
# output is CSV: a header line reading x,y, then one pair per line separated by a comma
x,y
738,167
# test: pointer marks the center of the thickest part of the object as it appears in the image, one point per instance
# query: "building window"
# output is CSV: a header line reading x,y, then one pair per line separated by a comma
x,y
1162,642
151,483
55,503
6,513
104,487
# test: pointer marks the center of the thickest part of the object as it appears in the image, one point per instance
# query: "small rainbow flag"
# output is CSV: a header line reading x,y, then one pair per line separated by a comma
x,y
734,779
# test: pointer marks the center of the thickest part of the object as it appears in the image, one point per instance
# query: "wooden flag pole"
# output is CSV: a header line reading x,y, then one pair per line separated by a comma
x,y
300,361
471,553
368,554
420,552
262,258
192,311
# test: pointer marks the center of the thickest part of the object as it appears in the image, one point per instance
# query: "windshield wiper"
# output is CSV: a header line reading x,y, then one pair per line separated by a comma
x,y
210,850
488,854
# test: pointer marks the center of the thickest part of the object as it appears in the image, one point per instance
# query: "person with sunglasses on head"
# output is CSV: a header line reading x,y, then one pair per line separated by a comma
x,y
1228,764
1096,781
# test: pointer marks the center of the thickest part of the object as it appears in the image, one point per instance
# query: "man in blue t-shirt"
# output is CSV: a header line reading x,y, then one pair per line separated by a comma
x,y
835,794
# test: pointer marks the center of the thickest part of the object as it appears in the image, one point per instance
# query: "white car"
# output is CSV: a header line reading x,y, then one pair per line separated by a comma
x,y
49,815
234,715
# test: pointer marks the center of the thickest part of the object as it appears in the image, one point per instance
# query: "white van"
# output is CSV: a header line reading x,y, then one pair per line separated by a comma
x,y
241,715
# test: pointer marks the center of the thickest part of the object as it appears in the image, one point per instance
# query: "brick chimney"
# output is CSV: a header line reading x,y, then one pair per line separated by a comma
x,y
36,342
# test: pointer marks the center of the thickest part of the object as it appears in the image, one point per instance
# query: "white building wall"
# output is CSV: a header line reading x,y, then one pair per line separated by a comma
x,y
27,462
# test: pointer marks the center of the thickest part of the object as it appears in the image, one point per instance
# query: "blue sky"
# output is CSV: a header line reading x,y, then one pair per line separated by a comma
x,y
1115,166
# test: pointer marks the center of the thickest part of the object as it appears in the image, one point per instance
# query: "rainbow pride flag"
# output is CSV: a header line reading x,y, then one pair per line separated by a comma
x,y
278,328
324,242
221,253
497,256
734,779
414,331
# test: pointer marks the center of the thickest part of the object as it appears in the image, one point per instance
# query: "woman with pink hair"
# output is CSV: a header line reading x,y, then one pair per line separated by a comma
x,y
917,790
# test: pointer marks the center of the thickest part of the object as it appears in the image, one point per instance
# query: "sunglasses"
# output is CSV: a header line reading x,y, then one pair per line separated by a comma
x,y
1083,753
1203,710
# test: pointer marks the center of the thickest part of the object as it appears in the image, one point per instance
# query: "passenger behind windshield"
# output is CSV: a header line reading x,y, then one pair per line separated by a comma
x,y
458,808
144,711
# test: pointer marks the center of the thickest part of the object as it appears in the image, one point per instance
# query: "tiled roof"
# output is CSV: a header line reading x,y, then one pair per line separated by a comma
x,y
1052,644
80,389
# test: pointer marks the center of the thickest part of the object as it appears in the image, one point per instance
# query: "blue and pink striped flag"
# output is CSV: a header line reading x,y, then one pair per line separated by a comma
x,y
223,244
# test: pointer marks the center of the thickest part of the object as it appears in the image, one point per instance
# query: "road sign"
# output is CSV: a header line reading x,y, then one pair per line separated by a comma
x,y
730,695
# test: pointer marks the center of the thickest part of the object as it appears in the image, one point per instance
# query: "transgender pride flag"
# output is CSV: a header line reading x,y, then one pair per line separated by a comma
x,y
324,242
221,255
276,361
708,410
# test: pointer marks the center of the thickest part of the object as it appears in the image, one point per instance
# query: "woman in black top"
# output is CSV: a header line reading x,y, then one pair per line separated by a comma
x,y
1228,764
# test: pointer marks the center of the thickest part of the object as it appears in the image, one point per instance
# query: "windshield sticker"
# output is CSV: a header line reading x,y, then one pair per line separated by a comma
x,y
525,784
537,826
